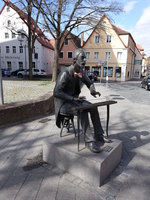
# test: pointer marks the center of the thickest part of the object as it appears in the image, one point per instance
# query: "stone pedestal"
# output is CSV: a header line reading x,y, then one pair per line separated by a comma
x,y
90,167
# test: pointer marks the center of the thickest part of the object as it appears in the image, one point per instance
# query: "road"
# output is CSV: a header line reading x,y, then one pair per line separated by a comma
x,y
131,91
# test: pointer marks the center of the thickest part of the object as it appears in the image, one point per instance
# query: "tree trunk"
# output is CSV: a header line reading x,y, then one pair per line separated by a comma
x,y
30,63
55,63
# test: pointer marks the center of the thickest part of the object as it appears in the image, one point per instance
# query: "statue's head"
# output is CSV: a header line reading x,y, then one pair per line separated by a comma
x,y
79,59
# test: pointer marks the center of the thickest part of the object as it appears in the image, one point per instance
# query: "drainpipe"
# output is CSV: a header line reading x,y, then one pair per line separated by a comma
x,y
1,86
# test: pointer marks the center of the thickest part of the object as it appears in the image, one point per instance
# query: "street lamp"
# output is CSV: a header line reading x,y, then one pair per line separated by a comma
x,y
107,73
1,85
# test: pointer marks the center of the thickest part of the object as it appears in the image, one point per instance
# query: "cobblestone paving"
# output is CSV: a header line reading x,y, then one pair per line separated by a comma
x,y
129,122
23,90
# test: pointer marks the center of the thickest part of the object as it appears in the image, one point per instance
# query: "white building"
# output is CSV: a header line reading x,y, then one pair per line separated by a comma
x,y
14,46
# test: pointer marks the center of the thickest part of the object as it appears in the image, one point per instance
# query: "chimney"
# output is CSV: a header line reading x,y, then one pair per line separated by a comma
x,y
82,39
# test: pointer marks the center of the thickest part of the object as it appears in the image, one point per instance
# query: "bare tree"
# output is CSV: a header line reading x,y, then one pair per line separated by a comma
x,y
80,15
30,16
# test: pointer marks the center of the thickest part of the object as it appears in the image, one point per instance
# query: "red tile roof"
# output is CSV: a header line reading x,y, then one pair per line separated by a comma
x,y
40,35
139,47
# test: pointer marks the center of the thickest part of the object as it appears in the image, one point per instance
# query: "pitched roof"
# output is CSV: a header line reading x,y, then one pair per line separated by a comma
x,y
139,47
75,39
118,30
40,35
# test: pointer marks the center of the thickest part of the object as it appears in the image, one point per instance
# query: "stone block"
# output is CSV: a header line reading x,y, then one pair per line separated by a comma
x,y
90,167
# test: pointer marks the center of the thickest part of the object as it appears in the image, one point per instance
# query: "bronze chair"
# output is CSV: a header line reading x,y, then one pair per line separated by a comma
x,y
67,122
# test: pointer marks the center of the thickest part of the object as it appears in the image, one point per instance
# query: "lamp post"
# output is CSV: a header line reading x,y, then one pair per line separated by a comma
x,y
1,85
107,73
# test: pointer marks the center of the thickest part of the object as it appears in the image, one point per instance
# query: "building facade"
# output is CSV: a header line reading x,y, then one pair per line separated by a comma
x,y
14,43
69,43
110,52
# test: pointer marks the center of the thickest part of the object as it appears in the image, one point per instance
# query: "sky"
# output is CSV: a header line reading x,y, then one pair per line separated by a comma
x,y
135,19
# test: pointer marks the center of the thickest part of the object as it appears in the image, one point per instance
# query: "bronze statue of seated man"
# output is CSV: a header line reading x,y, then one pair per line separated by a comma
x,y
66,96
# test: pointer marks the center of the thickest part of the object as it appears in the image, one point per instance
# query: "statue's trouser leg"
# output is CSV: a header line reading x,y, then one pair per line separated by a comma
x,y
89,137
98,130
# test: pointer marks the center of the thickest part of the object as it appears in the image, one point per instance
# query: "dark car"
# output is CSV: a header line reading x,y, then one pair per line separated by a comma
x,y
146,82
6,72
14,73
93,76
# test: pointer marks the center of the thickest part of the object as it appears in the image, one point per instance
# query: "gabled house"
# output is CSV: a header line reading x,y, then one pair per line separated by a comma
x,y
110,51
69,45
13,41
137,64
144,58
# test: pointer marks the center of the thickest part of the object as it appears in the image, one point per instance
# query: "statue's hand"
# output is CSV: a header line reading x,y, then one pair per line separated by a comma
x,y
96,93
93,91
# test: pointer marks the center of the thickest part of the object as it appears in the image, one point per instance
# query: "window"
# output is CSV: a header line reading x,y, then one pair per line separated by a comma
x,y
108,40
97,39
33,64
14,49
20,49
87,55
119,55
36,70
20,65
104,24
61,55
7,49
117,72
96,54
8,23
6,35
138,62
22,36
66,41
69,54
8,8
107,55
13,35
33,50
108,71
9,65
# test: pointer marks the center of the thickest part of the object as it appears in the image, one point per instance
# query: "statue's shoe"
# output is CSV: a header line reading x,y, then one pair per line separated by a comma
x,y
93,147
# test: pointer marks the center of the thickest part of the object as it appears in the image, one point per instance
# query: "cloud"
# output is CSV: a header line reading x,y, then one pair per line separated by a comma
x,y
144,19
141,32
129,6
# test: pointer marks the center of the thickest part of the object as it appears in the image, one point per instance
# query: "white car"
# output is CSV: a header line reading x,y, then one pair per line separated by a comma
x,y
35,72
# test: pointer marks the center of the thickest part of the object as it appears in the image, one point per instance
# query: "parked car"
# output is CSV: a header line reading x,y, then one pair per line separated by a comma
x,y
6,72
15,72
93,76
35,72
146,82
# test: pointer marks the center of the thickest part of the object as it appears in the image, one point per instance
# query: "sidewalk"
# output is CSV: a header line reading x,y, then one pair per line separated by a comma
x,y
25,90
24,175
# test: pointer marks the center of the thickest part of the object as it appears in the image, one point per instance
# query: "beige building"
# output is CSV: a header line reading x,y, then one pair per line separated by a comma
x,y
110,52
